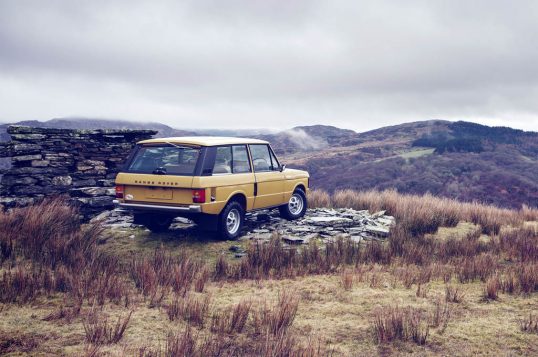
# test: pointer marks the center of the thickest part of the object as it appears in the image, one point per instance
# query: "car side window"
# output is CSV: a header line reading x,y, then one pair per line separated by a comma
x,y
261,158
223,160
240,161
276,165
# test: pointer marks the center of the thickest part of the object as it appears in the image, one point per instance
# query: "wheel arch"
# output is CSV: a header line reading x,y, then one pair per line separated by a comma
x,y
238,197
300,186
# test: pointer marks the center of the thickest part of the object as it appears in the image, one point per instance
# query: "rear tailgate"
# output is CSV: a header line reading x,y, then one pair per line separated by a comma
x,y
151,189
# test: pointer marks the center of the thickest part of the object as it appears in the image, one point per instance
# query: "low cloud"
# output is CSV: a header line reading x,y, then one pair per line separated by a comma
x,y
247,64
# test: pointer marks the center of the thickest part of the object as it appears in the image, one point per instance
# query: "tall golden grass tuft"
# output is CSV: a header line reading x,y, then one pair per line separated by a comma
x,y
530,324
48,232
528,213
405,324
319,199
99,331
421,214
278,318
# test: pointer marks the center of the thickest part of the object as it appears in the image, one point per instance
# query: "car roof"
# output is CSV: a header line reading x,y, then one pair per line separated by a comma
x,y
203,140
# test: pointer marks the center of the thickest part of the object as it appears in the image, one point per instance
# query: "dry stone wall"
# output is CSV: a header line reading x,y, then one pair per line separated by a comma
x,y
80,163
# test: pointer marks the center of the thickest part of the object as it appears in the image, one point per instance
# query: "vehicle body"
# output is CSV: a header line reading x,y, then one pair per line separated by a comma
x,y
211,180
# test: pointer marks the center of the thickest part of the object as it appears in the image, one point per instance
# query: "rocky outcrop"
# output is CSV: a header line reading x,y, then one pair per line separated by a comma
x,y
322,223
325,224
80,163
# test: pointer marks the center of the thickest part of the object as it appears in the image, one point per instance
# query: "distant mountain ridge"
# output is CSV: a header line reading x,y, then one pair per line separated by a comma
x,y
302,138
87,123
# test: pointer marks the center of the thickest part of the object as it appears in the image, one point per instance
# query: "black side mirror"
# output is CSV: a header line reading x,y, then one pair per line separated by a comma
x,y
282,168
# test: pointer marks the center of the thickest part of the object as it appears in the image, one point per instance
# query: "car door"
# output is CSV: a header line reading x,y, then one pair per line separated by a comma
x,y
269,186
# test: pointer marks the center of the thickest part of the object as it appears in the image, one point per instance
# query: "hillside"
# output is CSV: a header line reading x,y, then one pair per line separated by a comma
x,y
459,160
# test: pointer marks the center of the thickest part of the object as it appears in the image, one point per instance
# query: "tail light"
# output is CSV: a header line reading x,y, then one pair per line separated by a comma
x,y
198,195
119,191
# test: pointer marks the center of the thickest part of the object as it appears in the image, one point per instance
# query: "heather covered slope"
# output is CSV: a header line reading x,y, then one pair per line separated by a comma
x,y
459,160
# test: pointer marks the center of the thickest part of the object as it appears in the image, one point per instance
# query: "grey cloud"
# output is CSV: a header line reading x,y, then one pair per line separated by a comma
x,y
268,63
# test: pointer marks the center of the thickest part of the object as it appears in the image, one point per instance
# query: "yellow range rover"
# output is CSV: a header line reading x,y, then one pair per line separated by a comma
x,y
210,180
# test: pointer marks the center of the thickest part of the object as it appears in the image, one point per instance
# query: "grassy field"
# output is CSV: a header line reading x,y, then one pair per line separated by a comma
x,y
416,153
464,284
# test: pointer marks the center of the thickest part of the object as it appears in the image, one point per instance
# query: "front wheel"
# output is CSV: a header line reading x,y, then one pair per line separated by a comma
x,y
154,222
296,206
231,221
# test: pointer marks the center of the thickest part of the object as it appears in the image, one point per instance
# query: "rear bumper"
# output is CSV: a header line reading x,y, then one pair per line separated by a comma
x,y
154,207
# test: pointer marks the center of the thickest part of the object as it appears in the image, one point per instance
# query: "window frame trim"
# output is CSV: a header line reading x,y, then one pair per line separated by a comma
x,y
269,151
250,168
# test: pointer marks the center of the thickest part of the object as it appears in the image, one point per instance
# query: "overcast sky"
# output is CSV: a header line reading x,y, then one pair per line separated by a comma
x,y
271,64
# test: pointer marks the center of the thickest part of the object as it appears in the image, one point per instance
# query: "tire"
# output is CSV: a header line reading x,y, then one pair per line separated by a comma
x,y
296,206
156,223
230,222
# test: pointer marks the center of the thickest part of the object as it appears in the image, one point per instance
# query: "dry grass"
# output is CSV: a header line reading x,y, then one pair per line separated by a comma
x,y
251,306
440,316
393,323
343,322
278,318
231,319
49,232
530,324
421,214
99,331
453,294
192,309
491,288
347,279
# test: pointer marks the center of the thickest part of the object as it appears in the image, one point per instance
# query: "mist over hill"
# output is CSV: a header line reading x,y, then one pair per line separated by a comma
x,y
461,160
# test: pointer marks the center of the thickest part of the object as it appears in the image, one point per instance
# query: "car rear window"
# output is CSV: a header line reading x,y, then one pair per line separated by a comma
x,y
165,160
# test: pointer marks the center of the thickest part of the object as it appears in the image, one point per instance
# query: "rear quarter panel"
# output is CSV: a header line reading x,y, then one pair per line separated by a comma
x,y
220,188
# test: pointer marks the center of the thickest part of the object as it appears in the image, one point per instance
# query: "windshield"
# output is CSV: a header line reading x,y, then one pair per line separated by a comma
x,y
165,160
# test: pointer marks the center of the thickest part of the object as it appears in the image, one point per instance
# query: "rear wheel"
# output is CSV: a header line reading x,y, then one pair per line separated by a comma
x,y
154,222
296,206
231,221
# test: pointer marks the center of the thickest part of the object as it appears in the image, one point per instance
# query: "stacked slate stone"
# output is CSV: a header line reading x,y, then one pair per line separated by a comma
x,y
80,163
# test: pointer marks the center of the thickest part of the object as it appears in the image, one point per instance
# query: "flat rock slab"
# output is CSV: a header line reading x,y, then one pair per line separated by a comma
x,y
380,231
330,221
293,239
326,224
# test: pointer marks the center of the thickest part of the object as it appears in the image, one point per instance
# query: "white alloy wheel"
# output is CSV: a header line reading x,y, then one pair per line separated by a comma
x,y
296,204
233,221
